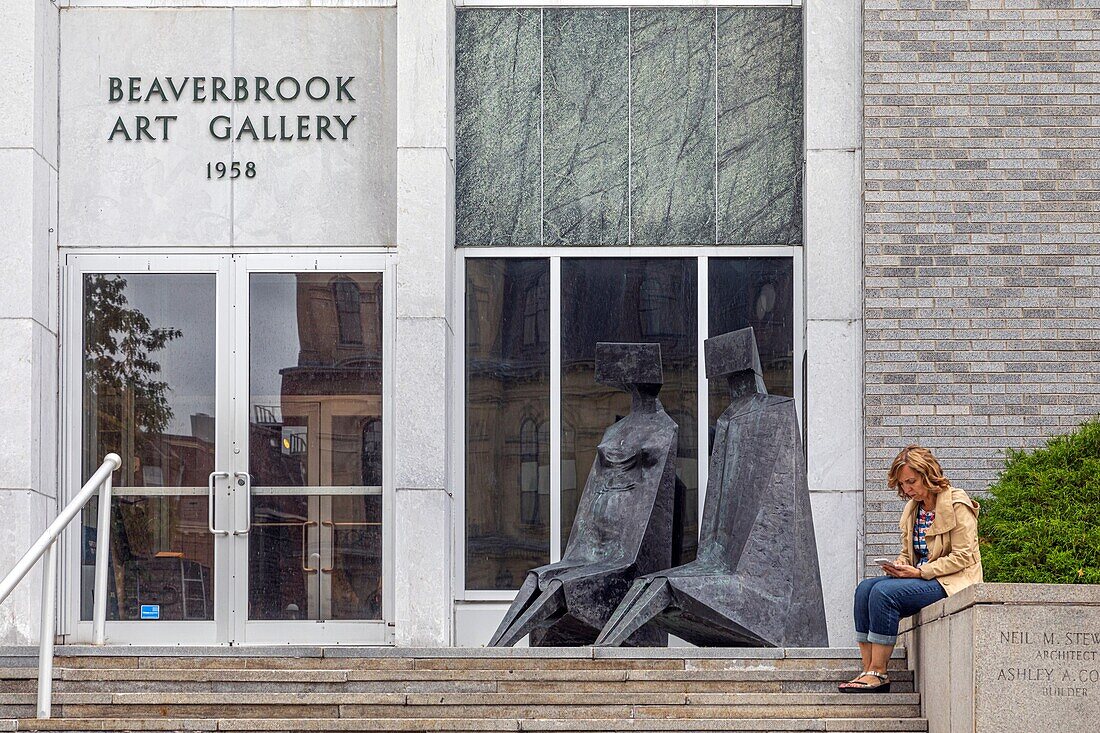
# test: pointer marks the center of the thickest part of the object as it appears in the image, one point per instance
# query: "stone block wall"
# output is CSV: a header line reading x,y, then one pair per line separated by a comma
x,y
981,233
28,301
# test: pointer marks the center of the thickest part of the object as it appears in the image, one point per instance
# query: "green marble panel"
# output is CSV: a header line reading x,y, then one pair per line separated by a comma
x,y
497,127
759,125
585,138
672,126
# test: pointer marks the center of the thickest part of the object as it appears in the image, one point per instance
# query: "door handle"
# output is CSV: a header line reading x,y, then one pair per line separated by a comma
x,y
245,479
306,567
210,502
332,544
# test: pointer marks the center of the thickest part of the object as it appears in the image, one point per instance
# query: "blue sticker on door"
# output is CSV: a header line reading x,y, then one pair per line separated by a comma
x,y
150,613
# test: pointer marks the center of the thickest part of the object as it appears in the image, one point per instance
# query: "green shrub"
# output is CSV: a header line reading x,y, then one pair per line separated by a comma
x,y
1042,522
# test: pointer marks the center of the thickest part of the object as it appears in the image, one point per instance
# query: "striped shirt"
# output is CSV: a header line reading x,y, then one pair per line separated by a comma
x,y
920,528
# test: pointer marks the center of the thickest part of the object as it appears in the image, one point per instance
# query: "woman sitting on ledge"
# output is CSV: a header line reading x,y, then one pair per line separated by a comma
x,y
939,557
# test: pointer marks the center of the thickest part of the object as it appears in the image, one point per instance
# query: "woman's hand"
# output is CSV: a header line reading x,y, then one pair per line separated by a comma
x,y
901,571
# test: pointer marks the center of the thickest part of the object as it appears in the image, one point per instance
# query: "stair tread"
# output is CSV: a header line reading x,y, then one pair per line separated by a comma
x,y
390,652
521,675
772,725
338,676
466,698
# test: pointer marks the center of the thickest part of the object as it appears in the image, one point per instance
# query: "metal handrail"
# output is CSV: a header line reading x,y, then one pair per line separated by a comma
x,y
100,483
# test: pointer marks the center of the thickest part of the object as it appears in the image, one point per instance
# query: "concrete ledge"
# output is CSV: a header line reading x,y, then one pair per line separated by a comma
x,y
1008,656
338,652
1016,594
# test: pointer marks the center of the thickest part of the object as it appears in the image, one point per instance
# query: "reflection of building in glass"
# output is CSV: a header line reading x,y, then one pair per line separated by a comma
x,y
507,420
318,430
161,552
631,300
161,549
507,383
507,435
757,292
312,554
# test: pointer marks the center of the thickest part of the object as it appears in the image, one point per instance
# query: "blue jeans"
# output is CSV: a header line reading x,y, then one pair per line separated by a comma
x,y
883,601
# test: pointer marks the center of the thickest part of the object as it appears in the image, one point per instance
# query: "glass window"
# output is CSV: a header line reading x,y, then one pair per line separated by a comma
x,y
148,395
757,292
507,420
315,445
630,300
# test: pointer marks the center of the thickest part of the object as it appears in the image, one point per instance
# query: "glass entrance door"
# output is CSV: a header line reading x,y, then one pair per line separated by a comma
x,y
247,396
146,377
310,408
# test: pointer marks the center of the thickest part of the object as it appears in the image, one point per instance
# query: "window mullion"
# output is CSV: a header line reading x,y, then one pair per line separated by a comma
x,y
702,442
555,409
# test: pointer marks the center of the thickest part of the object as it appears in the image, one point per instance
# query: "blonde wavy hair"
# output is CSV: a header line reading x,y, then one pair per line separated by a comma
x,y
924,463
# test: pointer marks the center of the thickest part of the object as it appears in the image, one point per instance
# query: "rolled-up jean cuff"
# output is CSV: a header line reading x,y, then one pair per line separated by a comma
x,y
881,639
861,638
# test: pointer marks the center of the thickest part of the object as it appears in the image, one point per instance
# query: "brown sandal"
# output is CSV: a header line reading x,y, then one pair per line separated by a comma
x,y
858,686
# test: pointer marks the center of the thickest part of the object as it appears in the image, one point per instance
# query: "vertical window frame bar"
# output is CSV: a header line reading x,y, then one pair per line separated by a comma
x,y
555,409
702,414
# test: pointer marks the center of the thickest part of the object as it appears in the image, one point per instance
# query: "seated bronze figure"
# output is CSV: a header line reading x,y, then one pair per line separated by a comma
x,y
623,526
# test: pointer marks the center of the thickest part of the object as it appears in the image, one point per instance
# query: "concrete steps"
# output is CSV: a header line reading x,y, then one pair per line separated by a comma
x,y
364,689
441,681
443,724
459,724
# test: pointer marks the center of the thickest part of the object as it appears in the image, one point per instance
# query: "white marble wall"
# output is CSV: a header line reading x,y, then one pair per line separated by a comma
x,y
156,193
425,374
834,298
28,300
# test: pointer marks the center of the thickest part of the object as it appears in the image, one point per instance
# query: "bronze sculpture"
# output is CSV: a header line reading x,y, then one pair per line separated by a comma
x,y
623,525
755,581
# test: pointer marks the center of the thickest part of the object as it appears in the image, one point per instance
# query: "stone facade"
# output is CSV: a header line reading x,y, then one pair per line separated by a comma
x,y
414,210
834,319
423,462
28,300
981,234
961,316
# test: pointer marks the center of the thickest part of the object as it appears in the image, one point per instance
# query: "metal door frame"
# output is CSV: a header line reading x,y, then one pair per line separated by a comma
x,y
231,268
247,631
75,266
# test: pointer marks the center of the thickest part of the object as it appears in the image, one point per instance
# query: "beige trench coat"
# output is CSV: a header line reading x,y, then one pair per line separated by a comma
x,y
953,555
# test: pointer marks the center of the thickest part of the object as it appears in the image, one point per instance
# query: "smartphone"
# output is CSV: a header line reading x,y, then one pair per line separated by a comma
x,y
880,561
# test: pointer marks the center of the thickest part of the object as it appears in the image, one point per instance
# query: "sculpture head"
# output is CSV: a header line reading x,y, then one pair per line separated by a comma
x,y
633,368
734,356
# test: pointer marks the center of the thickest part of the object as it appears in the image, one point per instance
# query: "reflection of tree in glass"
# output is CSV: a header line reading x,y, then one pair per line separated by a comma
x,y
118,342
128,407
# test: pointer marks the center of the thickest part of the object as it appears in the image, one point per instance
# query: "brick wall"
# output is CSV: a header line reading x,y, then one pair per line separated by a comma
x,y
981,233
